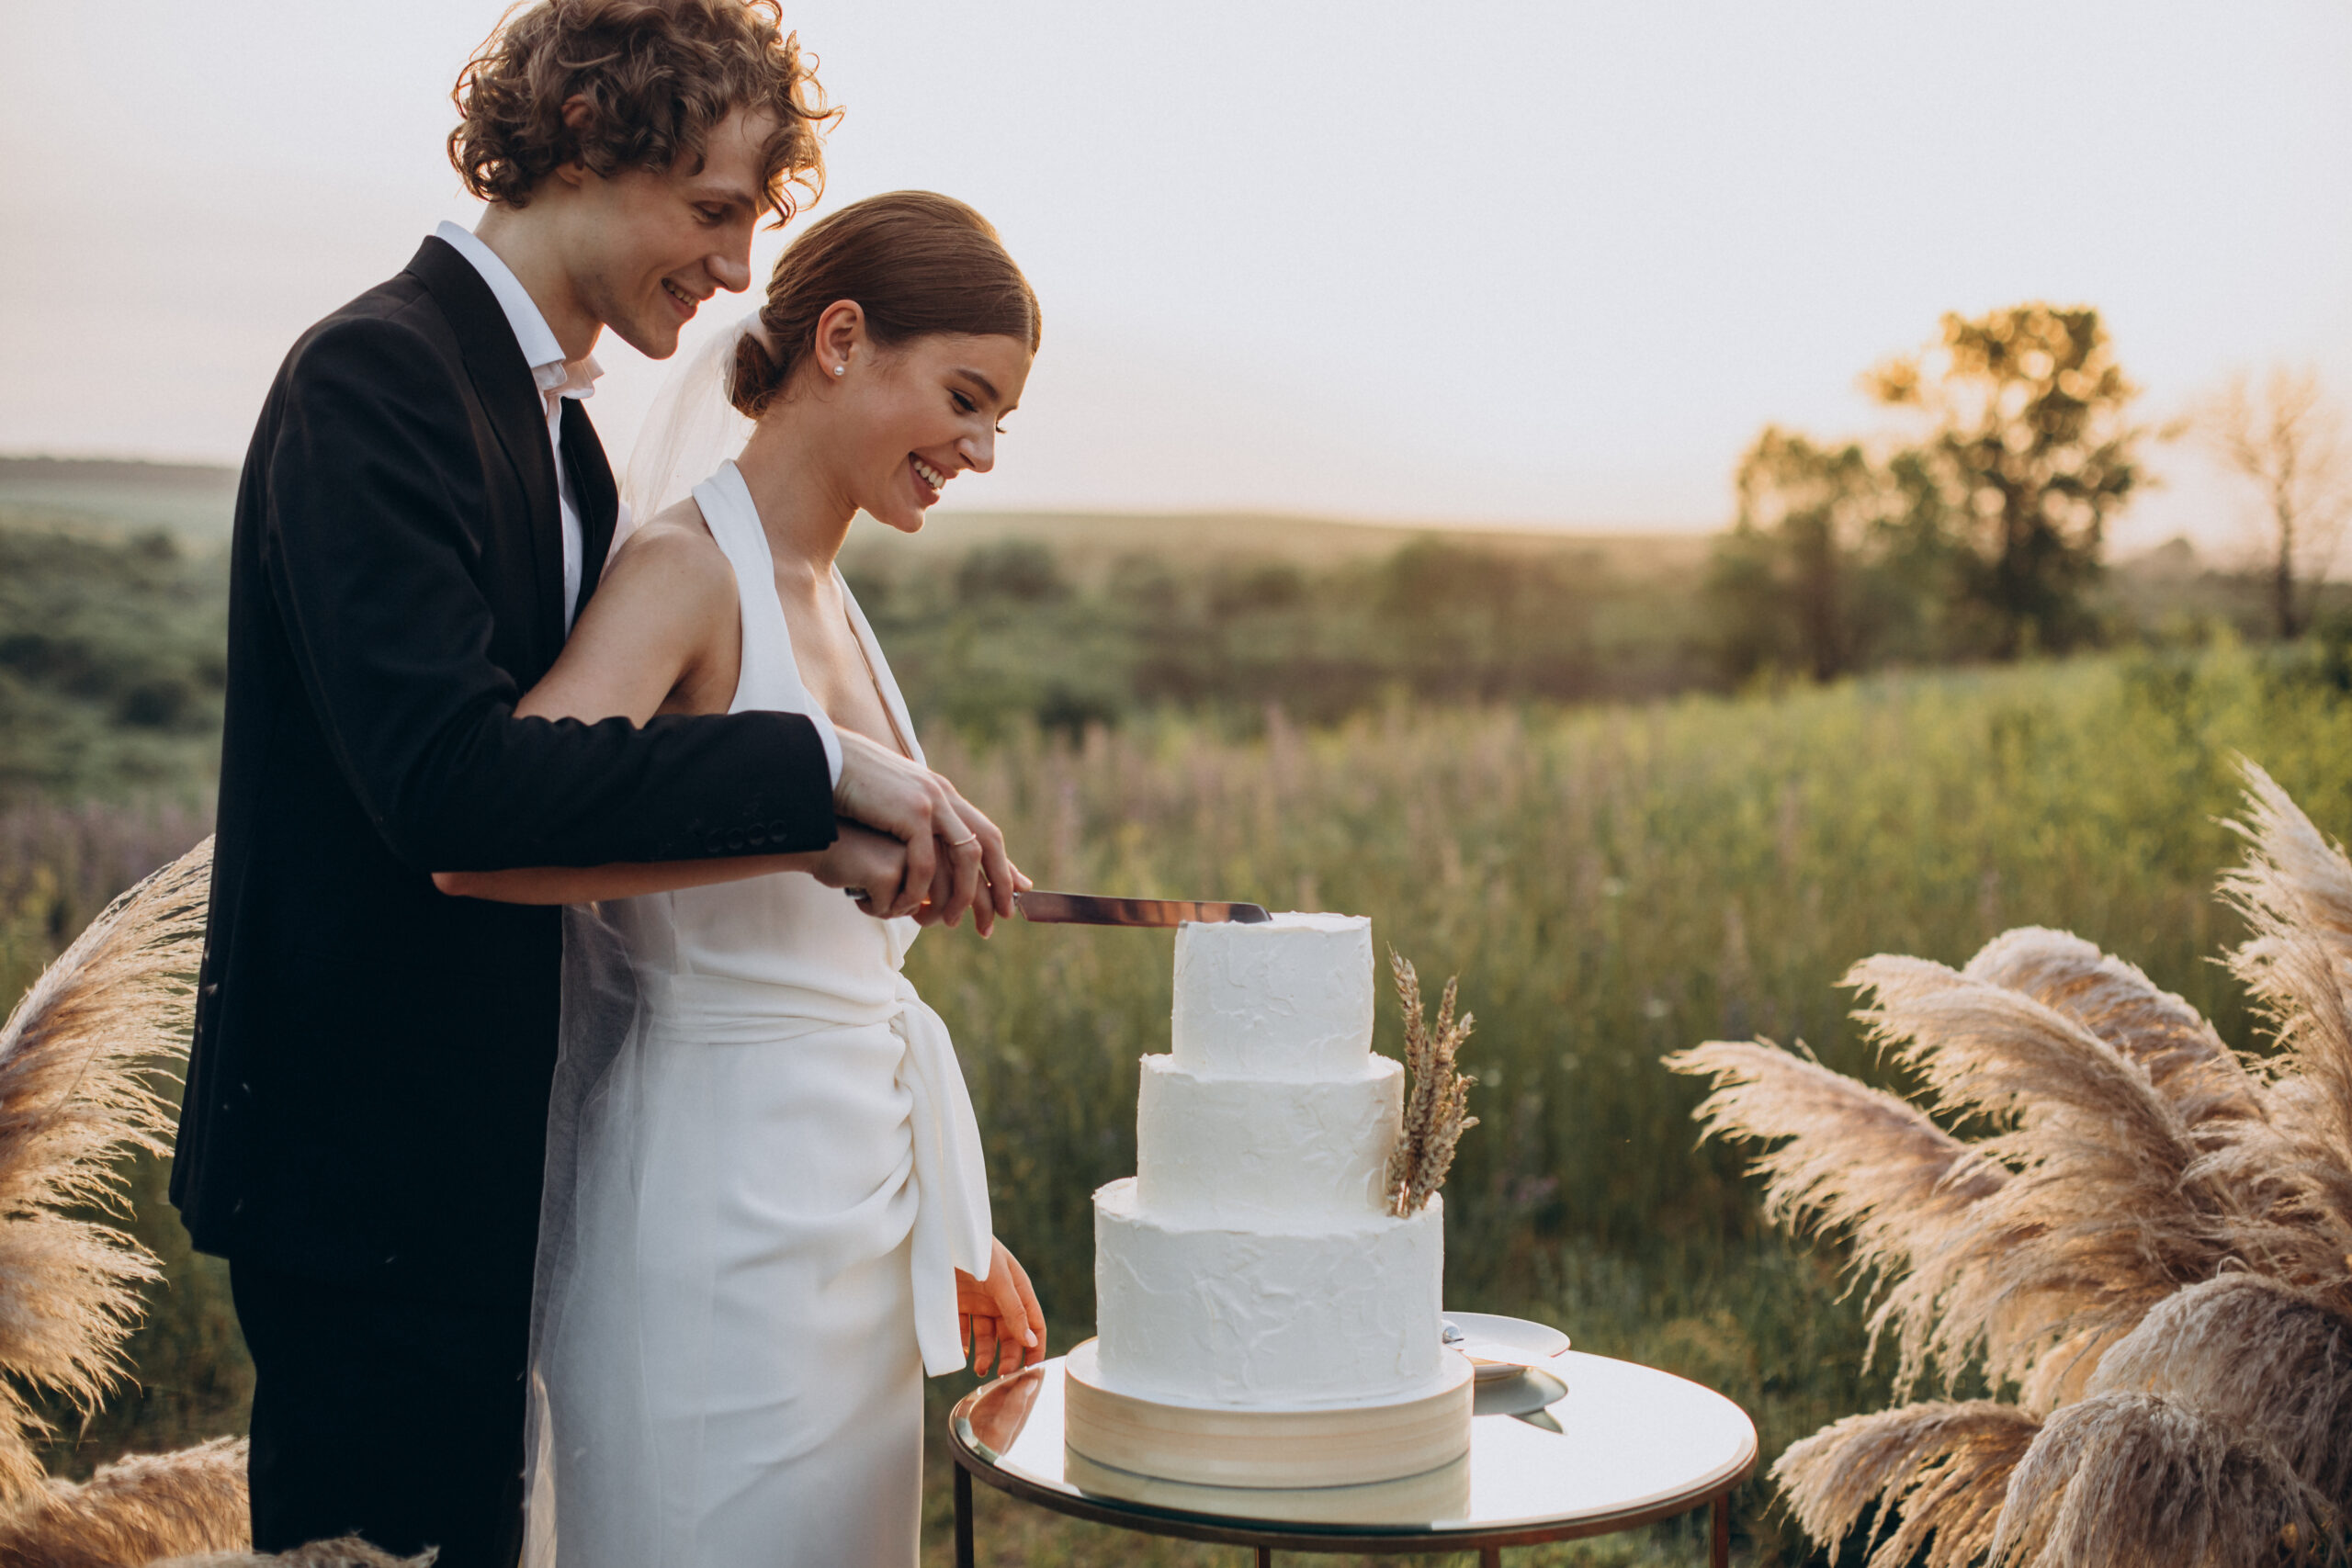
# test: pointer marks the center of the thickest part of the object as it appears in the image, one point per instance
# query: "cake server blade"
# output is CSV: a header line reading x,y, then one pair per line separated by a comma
x,y
1095,909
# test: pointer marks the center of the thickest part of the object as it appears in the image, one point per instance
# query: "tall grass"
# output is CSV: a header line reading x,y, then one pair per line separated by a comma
x,y
1610,885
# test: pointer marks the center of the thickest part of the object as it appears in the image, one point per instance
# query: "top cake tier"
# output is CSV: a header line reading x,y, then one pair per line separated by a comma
x,y
1287,999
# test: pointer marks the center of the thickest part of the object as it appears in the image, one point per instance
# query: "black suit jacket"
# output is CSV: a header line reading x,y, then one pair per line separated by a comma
x,y
368,1092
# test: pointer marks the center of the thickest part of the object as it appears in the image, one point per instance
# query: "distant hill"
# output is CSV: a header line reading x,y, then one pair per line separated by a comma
x,y
1087,545
114,600
194,500
117,472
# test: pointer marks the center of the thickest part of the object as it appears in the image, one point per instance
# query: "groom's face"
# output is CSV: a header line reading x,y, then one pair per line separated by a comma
x,y
651,246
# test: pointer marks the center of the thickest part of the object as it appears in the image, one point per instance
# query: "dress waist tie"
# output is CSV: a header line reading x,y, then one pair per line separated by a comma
x,y
951,1227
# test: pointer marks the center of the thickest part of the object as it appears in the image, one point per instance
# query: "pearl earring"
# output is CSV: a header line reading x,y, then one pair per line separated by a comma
x,y
840,369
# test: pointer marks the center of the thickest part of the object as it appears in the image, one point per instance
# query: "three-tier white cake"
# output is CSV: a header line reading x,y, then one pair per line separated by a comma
x,y
1263,1319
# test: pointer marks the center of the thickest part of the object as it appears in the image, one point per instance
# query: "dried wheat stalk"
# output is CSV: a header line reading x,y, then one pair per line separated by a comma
x,y
1437,1100
78,1061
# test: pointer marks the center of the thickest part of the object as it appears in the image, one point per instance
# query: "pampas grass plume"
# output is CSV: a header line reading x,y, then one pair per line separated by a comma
x,y
343,1552
2100,1208
79,1058
134,1511
1945,1466
2127,1480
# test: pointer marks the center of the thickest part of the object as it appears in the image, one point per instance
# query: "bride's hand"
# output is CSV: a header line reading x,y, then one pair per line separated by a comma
x,y
936,909
939,826
1003,1325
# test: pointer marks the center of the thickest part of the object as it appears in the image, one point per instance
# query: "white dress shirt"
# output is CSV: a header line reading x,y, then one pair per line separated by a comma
x,y
558,378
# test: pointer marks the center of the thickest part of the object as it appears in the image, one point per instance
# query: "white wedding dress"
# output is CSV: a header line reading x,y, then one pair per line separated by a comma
x,y
762,1170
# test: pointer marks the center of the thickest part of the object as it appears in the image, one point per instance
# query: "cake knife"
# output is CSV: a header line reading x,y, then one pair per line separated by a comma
x,y
1095,909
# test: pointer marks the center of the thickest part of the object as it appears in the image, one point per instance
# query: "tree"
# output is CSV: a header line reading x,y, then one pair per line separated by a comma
x,y
1821,500
2288,439
1803,513
1836,560
2032,453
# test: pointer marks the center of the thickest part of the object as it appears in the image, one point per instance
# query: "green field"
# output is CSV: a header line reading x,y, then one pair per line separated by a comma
x,y
1610,884
113,601
1512,752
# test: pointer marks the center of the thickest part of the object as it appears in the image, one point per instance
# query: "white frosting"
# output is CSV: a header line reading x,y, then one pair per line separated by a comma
x,y
1334,1315
1250,1261
1290,999
1245,1152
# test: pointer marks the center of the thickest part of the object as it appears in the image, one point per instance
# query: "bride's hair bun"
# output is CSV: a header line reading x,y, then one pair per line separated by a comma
x,y
754,369
916,263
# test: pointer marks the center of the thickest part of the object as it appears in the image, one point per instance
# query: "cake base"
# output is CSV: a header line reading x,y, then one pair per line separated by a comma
x,y
1433,1497
1265,1449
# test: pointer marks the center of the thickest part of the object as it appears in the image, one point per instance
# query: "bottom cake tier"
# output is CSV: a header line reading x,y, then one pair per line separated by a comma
x,y
1344,1312
1330,1446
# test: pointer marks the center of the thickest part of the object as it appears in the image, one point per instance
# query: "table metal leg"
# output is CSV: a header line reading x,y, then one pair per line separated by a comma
x,y
1719,1550
1265,1557
963,1517
1490,1557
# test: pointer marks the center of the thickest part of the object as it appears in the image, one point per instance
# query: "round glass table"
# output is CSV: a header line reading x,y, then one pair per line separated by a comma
x,y
1590,1447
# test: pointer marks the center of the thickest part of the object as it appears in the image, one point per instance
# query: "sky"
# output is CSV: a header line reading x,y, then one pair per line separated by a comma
x,y
1530,264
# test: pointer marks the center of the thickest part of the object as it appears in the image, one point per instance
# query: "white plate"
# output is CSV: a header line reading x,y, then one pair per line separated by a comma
x,y
1499,1347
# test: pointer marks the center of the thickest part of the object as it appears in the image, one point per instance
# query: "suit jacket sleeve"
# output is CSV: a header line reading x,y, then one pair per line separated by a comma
x,y
373,548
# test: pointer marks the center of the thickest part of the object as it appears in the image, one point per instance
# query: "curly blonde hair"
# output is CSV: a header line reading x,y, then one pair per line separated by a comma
x,y
658,77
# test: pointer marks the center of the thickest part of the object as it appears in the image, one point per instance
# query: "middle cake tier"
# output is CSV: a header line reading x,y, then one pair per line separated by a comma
x,y
1218,1150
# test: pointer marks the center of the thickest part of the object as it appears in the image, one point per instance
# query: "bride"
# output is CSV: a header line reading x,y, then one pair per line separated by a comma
x,y
766,1217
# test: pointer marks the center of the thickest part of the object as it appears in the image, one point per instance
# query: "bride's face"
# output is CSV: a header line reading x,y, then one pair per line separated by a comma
x,y
909,417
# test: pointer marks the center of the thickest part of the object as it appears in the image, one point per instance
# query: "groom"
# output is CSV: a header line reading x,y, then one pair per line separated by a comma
x,y
423,508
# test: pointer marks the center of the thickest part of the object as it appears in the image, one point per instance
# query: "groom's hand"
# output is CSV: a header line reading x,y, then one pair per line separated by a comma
x,y
955,854
874,864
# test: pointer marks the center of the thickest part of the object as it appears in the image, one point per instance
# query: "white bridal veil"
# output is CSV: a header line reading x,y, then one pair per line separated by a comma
x,y
690,431
600,1009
